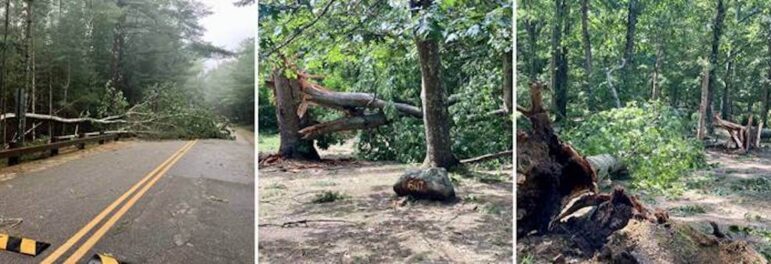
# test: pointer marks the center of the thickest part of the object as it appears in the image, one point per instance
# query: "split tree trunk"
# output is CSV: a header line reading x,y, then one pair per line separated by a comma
x,y
288,97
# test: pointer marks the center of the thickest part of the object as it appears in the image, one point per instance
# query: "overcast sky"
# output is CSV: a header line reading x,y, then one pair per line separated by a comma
x,y
228,25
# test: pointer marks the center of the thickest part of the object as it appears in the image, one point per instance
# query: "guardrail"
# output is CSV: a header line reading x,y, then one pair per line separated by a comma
x,y
14,155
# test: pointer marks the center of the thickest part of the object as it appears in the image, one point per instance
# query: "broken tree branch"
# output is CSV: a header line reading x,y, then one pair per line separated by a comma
x,y
344,124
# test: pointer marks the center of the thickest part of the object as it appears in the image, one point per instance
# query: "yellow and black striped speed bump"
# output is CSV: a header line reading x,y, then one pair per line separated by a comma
x,y
22,245
104,259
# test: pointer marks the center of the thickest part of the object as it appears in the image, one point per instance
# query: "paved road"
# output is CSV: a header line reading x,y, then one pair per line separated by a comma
x,y
201,210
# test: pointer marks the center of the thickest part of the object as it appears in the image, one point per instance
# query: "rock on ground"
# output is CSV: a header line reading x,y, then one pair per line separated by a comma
x,y
431,184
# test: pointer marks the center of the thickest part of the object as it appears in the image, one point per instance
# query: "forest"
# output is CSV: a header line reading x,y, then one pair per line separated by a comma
x,y
69,67
638,118
356,97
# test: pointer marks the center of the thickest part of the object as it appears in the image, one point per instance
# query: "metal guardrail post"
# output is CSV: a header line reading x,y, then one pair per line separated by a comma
x,y
54,151
81,145
13,160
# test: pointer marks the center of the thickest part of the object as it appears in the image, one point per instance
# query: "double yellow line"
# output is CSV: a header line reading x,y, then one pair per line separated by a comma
x,y
151,178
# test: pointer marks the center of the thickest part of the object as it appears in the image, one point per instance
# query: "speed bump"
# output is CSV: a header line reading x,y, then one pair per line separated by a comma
x,y
22,245
104,259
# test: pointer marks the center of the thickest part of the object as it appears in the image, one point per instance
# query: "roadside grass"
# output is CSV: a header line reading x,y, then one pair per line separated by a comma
x,y
267,142
329,196
687,210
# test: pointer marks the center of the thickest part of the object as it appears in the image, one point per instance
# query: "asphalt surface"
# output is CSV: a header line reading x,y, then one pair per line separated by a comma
x,y
200,211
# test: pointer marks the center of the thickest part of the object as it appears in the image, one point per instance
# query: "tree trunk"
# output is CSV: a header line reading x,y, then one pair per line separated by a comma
x,y
631,29
725,110
288,98
436,117
716,33
655,89
116,78
21,92
33,76
435,113
3,68
559,62
587,53
508,82
767,86
704,106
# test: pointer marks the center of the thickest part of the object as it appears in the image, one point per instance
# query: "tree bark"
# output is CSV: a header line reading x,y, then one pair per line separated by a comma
x,y
508,82
631,29
3,69
704,106
725,110
716,33
587,53
767,86
288,98
435,113
655,89
344,124
21,92
436,117
559,65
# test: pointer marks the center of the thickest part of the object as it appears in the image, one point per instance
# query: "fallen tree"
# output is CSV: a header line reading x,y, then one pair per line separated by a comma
x,y
744,138
558,200
298,129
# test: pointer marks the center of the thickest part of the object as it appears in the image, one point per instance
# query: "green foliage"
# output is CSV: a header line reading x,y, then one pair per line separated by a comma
x,y
268,142
179,114
652,139
687,210
329,196
370,47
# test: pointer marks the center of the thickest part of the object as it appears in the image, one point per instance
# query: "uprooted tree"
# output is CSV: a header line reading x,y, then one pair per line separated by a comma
x,y
557,196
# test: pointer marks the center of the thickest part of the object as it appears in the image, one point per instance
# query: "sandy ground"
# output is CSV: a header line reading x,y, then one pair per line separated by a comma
x,y
370,225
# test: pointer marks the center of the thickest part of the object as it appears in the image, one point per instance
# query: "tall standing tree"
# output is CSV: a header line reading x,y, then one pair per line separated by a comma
x,y
717,31
433,94
587,42
633,10
559,63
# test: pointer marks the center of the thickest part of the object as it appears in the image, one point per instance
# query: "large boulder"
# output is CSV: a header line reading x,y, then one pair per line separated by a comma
x,y
431,183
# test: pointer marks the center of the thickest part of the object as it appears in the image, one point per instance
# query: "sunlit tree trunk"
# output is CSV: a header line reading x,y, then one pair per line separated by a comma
x,y
587,53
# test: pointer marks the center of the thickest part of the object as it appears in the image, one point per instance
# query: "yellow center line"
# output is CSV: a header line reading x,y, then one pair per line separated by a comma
x,y
87,228
86,246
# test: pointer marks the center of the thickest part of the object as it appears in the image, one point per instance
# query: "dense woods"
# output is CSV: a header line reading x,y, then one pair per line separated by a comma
x,y
639,101
411,80
137,64
688,64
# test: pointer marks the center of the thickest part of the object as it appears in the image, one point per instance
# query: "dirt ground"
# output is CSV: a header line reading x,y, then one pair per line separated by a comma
x,y
370,225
